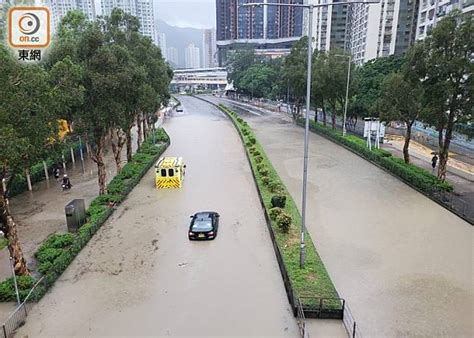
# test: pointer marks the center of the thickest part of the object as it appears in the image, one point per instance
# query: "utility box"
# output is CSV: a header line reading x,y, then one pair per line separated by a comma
x,y
75,214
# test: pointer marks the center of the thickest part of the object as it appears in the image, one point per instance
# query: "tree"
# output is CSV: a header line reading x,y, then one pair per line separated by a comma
x,y
158,75
319,89
400,100
330,83
28,120
83,43
238,63
368,82
112,63
443,64
121,33
259,79
295,72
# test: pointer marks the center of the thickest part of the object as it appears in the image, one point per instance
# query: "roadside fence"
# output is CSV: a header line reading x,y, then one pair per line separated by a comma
x,y
17,318
350,324
301,320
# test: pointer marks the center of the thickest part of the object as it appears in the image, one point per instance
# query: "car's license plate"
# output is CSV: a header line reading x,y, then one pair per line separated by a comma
x,y
201,236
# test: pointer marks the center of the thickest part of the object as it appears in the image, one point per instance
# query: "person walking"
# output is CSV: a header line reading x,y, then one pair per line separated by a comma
x,y
434,161
56,171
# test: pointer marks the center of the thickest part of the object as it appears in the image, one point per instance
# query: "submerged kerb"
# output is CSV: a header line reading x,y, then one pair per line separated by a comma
x,y
312,283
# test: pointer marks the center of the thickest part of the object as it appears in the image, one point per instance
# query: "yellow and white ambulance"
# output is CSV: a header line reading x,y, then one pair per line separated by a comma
x,y
169,172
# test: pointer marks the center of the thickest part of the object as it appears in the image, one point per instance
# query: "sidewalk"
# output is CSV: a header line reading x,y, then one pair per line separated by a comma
x,y
40,213
460,174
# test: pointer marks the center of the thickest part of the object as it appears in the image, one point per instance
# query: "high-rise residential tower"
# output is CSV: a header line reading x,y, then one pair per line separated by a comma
x,y
162,44
431,11
172,56
266,27
59,8
192,56
329,25
382,29
142,9
209,48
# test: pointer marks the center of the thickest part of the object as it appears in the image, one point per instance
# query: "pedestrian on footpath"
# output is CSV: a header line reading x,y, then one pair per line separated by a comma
x,y
56,171
434,161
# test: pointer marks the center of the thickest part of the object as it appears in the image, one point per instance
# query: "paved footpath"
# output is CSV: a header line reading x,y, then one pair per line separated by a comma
x,y
40,212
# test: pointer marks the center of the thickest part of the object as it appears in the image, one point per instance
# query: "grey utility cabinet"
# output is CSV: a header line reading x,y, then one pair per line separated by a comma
x,y
75,214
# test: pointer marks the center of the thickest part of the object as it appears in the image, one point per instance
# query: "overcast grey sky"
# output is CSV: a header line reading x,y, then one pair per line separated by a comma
x,y
187,13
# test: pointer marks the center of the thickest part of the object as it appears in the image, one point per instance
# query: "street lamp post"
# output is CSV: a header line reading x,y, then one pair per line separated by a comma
x,y
310,8
347,92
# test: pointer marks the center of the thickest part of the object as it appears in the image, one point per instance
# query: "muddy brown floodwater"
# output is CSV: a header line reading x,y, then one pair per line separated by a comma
x,y
141,276
403,263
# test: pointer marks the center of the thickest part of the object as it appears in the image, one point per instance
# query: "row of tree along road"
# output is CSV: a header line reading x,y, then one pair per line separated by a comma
x,y
431,83
103,77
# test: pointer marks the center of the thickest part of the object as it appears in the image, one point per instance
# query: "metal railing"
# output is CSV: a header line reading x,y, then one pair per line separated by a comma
x,y
301,320
350,324
316,307
17,318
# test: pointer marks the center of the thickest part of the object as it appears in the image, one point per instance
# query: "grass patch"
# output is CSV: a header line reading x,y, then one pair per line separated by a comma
x,y
313,280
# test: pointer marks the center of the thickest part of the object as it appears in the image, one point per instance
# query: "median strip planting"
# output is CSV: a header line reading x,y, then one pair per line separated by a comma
x,y
312,283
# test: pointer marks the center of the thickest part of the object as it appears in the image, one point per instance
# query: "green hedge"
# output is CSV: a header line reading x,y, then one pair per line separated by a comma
x,y
59,250
418,177
313,279
7,288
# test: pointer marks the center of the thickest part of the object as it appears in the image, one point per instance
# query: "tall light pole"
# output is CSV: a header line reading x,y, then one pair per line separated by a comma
x,y
310,8
347,92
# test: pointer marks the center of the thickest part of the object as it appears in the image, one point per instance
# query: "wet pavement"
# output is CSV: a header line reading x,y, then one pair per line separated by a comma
x,y
40,213
141,276
403,263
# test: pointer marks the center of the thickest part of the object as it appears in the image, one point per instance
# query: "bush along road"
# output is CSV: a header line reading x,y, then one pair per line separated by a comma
x,y
59,250
311,284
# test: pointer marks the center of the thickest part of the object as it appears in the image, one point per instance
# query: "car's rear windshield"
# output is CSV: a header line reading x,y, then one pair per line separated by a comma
x,y
202,224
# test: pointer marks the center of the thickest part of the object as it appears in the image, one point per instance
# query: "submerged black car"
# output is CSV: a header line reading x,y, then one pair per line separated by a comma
x,y
204,225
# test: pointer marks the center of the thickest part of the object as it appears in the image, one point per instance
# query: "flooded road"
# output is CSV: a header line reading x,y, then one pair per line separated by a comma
x,y
141,276
403,263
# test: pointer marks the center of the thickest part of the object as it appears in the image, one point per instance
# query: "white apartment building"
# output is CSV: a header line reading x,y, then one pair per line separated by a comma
x,y
147,19
431,11
329,25
172,56
382,29
128,6
162,43
142,9
59,8
209,49
192,57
